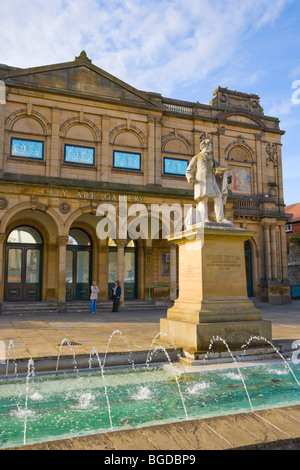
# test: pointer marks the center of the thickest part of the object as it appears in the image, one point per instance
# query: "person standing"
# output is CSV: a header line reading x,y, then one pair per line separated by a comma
x,y
117,291
94,296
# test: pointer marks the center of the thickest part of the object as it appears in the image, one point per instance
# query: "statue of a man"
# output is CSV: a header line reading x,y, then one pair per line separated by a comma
x,y
202,172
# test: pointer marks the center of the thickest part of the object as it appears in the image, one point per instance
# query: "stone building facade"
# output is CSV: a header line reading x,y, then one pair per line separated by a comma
x,y
73,136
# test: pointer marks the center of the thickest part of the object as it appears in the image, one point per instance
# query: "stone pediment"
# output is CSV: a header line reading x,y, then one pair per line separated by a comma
x,y
79,77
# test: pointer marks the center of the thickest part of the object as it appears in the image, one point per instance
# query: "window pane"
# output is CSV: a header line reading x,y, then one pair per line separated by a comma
x,y
69,267
129,268
32,266
130,161
75,154
165,264
24,235
112,266
14,267
83,266
78,237
27,148
174,166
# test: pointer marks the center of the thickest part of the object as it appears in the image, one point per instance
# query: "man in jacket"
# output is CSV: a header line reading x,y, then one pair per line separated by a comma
x,y
117,291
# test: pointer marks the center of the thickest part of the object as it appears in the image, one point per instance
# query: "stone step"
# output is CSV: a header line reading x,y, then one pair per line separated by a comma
x,y
20,307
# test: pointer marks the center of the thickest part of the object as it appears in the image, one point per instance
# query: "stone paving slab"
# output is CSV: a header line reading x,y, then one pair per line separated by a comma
x,y
247,430
39,335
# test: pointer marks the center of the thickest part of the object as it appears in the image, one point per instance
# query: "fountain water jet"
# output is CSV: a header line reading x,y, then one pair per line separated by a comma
x,y
127,344
30,373
261,338
218,338
66,341
94,352
153,342
11,345
161,348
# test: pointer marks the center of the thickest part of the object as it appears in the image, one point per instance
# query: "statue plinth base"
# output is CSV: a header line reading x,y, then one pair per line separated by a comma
x,y
213,290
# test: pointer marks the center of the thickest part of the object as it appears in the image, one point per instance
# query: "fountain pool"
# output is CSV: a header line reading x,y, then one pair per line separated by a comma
x,y
42,408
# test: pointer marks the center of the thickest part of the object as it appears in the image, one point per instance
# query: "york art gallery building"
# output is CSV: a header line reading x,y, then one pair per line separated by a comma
x,y
73,136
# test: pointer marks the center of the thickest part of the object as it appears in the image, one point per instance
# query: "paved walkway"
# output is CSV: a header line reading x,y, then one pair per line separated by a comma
x,y
40,335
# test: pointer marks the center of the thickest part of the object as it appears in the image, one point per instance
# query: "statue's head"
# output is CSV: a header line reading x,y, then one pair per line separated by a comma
x,y
206,145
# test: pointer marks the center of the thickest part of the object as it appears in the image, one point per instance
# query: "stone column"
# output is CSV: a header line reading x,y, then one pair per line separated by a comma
x,y
121,245
266,228
2,269
149,159
62,257
148,252
105,155
103,272
259,170
284,253
173,272
54,169
274,253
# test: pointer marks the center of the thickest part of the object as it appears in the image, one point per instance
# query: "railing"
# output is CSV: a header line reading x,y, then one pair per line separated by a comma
x,y
246,206
176,108
157,287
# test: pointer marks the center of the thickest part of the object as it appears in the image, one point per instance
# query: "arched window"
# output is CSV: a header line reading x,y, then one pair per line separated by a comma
x,y
23,277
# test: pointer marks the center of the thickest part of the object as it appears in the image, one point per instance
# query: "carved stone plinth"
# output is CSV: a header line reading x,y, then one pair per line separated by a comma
x,y
212,290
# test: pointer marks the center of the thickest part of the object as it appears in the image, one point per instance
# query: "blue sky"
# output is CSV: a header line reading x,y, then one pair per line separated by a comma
x,y
182,50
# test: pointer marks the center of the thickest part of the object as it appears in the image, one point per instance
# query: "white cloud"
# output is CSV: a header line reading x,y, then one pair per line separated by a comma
x,y
153,45
284,107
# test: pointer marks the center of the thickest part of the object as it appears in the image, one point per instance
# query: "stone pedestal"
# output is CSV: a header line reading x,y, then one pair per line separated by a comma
x,y
212,290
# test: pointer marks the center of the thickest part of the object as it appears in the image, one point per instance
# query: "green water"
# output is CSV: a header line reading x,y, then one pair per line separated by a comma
x,y
69,406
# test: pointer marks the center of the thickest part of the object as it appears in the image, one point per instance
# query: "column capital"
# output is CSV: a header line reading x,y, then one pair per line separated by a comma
x,y
121,243
62,240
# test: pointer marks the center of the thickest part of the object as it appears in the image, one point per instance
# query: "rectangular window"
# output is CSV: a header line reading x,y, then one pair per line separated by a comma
x,y
175,166
27,148
165,264
127,160
77,154
288,228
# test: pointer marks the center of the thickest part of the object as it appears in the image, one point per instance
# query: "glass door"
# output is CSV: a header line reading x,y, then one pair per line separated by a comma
x,y
78,265
23,265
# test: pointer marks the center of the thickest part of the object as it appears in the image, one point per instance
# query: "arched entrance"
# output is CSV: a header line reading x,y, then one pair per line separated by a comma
x,y
78,265
248,261
130,268
23,265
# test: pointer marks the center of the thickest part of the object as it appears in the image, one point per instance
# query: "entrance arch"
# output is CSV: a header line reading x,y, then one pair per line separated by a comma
x,y
78,265
23,265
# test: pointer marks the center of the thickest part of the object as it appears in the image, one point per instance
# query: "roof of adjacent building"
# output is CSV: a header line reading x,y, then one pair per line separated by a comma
x,y
293,212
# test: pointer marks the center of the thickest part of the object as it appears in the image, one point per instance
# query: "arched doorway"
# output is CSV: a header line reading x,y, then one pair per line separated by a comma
x,y
248,261
78,265
130,268
23,268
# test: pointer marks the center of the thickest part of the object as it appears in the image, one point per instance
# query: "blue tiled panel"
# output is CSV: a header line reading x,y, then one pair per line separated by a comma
x,y
76,154
129,161
27,148
174,166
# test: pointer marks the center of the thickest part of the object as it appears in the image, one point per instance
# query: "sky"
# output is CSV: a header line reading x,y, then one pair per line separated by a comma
x,y
181,49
